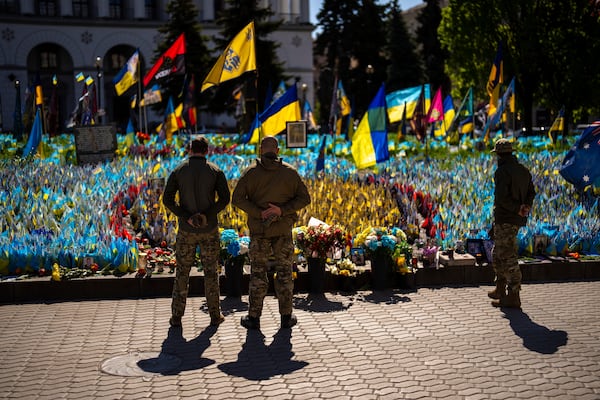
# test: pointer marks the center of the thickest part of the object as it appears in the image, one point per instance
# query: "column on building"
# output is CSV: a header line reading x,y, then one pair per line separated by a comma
x,y
66,8
103,10
284,10
296,11
27,7
139,9
305,11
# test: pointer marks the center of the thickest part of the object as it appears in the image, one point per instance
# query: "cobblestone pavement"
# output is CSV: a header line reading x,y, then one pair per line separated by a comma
x,y
446,342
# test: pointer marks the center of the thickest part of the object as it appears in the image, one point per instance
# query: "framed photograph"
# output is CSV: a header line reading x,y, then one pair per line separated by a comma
x,y
540,243
357,255
296,134
476,248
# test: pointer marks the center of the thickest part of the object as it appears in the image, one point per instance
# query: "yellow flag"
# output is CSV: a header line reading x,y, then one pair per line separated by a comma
x,y
238,57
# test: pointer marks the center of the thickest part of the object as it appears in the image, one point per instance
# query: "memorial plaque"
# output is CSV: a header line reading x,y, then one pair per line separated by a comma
x,y
95,144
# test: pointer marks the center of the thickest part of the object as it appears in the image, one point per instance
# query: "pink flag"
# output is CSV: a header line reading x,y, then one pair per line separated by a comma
x,y
436,111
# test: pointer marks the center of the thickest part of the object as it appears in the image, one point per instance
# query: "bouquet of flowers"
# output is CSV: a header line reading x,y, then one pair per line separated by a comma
x,y
402,256
379,241
429,253
233,246
344,267
318,240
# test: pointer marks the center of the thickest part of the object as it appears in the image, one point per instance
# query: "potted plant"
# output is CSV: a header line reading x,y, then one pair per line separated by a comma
x,y
233,255
380,245
316,242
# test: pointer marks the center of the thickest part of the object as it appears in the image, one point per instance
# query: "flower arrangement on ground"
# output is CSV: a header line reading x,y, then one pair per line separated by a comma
x,y
429,253
233,247
344,267
319,240
401,256
379,241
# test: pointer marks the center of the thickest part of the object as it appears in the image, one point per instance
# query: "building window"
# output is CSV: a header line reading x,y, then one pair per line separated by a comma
x,y
8,6
115,8
117,61
151,9
48,60
81,8
47,8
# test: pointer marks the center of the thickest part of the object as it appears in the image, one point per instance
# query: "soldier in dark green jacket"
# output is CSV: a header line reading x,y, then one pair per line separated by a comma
x,y
513,198
270,192
197,181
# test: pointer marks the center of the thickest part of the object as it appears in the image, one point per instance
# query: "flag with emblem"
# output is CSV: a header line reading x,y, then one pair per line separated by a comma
x,y
239,57
171,62
581,165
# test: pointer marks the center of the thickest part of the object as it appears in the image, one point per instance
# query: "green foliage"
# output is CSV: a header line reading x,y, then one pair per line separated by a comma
x,y
404,66
433,55
550,48
334,43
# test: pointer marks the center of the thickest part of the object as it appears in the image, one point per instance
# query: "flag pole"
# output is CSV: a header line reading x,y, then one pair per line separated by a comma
x,y
139,99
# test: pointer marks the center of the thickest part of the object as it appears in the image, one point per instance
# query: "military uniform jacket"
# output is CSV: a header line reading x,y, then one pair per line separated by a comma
x,y
513,188
196,180
270,181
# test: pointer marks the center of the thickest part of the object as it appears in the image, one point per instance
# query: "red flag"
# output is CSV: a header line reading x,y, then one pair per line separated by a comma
x,y
171,62
436,110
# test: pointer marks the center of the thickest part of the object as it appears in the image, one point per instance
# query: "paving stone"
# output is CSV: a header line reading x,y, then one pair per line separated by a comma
x,y
446,342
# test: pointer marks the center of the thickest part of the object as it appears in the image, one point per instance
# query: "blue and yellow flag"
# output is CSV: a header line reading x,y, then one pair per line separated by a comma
x,y
558,126
273,120
309,116
39,94
320,164
343,100
407,99
495,119
466,125
370,140
171,123
494,81
238,57
442,128
34,143
128,76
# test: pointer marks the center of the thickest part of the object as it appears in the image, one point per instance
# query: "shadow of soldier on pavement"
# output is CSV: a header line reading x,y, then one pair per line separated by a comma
x,y
189,352
256,361
535,337
318,302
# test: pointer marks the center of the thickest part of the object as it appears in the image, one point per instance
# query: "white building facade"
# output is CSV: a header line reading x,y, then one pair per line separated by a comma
x,y
96,37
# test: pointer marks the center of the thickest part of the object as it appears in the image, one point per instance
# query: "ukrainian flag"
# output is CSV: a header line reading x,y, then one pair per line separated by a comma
x,y
370,140
494,81
443,126
397,100
128,75
172,122
34,143
274,119
466,125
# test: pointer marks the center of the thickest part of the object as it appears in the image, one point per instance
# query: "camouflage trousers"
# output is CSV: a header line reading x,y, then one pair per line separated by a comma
x,y
260,250
185,255
505,256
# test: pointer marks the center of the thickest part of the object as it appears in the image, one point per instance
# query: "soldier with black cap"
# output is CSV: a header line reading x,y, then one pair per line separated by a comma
x,y
513,198
203,193
271,192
